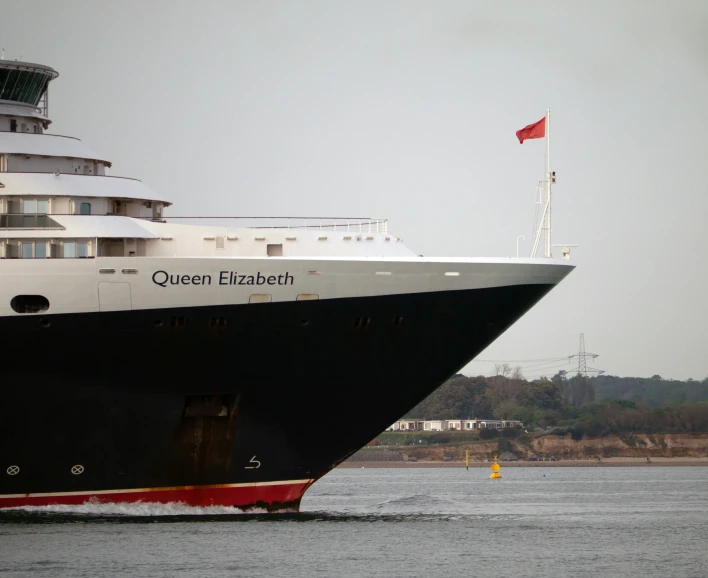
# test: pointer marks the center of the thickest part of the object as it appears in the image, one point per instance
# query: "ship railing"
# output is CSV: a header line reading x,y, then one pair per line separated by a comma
x,y
27,221
342,224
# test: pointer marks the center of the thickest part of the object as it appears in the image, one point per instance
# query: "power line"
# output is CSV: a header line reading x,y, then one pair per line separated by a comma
x,y
516,360
542,365
582,359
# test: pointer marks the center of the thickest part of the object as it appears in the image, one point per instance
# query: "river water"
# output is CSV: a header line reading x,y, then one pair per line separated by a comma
x,y
535,522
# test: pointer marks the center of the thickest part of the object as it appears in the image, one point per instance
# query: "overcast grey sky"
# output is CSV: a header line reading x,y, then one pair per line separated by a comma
x,y
407,110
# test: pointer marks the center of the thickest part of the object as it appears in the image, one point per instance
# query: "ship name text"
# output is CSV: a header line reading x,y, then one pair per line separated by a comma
x,y
163,279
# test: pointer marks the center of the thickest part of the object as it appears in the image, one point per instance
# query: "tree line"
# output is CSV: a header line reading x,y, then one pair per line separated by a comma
x,y
579,404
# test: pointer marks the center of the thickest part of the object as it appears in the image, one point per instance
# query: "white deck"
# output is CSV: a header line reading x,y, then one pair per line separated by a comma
x,y
46,145
68,185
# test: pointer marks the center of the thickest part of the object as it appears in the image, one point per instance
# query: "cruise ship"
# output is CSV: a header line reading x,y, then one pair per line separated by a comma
x,y
228,362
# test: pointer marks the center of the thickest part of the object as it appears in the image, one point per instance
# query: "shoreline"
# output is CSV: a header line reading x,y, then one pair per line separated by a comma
x,y
605,462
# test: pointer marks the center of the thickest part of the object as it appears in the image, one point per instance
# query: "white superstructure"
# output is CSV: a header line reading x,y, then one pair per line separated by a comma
x,y
84,241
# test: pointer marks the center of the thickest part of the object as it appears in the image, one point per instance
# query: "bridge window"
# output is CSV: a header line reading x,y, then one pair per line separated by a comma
x,y
23,85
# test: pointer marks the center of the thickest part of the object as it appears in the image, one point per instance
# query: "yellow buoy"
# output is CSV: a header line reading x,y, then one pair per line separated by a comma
x,y
495,470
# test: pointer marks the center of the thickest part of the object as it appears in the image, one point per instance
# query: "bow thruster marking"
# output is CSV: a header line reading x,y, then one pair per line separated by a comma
x,y
13,470
77,469
253,460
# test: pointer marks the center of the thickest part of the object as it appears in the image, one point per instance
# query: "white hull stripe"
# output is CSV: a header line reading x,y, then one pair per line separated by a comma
x,y
164,489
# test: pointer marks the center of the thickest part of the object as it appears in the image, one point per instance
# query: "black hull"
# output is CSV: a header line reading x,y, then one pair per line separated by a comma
x,y
227,394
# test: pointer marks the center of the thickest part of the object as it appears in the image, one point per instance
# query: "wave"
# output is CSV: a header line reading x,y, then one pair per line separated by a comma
x,y
93,509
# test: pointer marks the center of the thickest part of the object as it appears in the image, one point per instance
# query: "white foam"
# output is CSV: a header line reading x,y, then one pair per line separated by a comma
x,y
95,508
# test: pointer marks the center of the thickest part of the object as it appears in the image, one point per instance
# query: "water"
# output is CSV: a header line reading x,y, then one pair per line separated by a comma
x,y
536,522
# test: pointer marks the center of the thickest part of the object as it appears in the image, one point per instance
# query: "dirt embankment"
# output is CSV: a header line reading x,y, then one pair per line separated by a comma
x,y
565,448
626,446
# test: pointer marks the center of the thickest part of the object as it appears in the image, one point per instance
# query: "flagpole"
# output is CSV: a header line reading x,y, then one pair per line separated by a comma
x,y
549,250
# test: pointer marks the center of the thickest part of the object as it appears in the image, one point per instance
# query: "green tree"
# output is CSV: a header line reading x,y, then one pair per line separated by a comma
x,y
542,394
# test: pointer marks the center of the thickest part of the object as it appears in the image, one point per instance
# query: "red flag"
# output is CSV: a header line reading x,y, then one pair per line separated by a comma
x,y
535,130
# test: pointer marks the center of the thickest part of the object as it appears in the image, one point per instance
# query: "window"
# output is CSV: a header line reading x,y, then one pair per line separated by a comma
x,y
29,303
307,297
40,250
23,85
13,125
260,298
34,207
82,250
274,250
85,209
69,250
27,252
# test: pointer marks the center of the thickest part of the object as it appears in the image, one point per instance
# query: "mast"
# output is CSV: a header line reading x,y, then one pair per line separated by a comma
x,y
544,227
548,251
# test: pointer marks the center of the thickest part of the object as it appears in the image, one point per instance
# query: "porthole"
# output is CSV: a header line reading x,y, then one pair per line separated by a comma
x,y
362,322
157,323
304,322
217,322
29,304
44,322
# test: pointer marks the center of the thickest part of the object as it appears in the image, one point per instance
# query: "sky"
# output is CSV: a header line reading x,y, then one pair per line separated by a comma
x,y
406,110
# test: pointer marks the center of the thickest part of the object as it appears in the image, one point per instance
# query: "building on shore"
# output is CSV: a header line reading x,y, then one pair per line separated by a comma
x,y
406,425
436,425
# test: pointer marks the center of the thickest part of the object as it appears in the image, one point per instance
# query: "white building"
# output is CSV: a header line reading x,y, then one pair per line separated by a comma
x,y
434,425
430,425
405,425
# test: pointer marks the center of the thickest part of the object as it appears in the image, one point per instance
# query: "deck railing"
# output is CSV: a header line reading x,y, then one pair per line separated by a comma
x,y
342,224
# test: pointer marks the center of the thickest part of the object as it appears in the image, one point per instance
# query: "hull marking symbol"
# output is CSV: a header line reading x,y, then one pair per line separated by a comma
x,y
253,460
13,470
77,469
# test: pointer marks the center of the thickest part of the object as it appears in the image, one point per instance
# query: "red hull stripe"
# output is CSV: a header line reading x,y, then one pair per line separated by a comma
x,y
242,495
